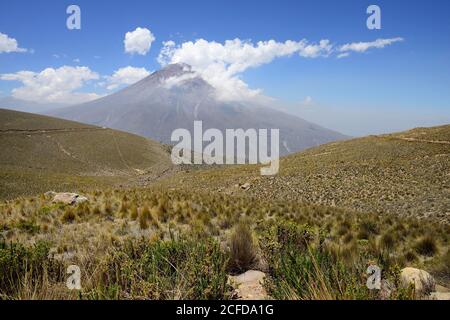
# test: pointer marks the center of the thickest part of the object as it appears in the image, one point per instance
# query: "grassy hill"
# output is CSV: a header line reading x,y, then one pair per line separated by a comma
x,y
40,153
313,229
404,174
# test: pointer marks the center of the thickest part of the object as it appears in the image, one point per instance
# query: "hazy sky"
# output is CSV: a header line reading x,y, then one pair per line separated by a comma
x,y
318,59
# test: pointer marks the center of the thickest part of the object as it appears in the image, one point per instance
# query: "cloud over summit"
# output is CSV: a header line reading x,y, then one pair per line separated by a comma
x,y
221,64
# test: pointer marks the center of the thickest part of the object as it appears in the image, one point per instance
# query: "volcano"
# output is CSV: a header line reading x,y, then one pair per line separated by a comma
x,y
176,96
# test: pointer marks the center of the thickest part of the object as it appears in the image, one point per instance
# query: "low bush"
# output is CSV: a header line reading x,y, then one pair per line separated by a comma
x,y
301,270
175,269
26,269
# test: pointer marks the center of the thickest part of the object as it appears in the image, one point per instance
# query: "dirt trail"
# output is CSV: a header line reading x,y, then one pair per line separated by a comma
x,y
121,155
422,140
42,131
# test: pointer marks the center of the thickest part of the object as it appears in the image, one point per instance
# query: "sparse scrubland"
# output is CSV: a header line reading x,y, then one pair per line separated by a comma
x,y
313,229
161,244
382,174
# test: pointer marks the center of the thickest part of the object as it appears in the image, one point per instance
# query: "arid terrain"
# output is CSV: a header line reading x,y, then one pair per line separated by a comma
x,y
143,229
42,153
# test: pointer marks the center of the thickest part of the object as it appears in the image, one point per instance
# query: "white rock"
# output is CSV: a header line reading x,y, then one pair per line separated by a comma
x,y
249,276
422,281
69,198
249,285
245,186
50,194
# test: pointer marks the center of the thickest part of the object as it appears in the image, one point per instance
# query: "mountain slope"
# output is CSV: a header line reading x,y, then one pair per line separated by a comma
x,y
41,148
405,173
175,97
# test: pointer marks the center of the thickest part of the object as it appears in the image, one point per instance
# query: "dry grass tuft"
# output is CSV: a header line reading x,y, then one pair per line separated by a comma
x,y
426,246
242,248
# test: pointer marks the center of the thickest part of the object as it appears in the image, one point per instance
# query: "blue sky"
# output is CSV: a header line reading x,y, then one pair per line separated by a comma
x,y
401,85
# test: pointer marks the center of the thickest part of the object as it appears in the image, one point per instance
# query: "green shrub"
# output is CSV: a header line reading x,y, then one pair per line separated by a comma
x,y
300,270
28,226
26,266
175,269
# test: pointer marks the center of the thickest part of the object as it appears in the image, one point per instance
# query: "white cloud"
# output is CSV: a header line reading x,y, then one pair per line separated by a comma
x,y
178,80
138,41
324,48
166,53
53,85
127,75
222,63
364,46
343,55
8,44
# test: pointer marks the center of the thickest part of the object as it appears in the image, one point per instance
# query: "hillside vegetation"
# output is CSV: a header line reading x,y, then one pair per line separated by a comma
x,y
41,153
405,174
313,229
162,244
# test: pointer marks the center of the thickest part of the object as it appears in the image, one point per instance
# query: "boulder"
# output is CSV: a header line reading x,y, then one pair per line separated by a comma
x,y
69,198
50,194
421,280
249,285
245,186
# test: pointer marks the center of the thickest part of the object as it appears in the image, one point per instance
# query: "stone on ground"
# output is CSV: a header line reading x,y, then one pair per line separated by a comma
x,y
249,285
69,198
